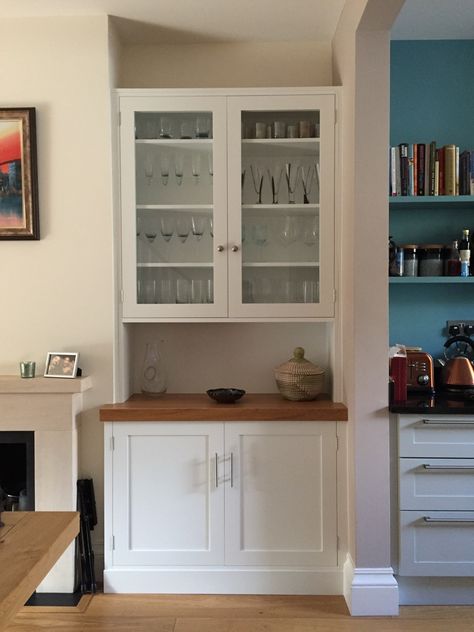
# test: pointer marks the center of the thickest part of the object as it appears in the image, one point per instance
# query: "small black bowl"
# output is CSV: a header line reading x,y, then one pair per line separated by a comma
x,y
225,395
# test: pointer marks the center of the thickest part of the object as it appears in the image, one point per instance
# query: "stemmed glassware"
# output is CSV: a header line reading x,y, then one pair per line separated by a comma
x,y
196,167
291,172
307,179
210,164
290,231
179,167
311,232
164,168
167,226
275,175
257,179
198,224
148,168
183,228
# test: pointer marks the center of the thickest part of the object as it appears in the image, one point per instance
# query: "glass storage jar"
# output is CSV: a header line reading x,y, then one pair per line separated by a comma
x,y
410,261
431,261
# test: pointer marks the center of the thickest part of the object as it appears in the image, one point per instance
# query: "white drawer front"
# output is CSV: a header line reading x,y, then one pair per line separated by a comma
x,y
436,436
437,543
443,484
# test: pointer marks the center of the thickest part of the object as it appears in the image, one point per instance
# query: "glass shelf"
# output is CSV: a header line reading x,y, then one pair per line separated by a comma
x,y
183,143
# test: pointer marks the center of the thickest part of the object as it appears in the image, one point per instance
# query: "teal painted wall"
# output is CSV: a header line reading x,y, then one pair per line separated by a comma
x,y
432,98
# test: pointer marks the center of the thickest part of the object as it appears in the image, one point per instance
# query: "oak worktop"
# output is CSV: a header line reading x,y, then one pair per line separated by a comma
x,y
199,407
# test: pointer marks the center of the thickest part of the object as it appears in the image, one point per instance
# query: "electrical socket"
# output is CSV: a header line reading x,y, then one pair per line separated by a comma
x,y
461,324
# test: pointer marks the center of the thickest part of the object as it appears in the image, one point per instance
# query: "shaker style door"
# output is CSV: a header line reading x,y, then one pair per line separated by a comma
x,y
281,206
280,500
168,494
174,197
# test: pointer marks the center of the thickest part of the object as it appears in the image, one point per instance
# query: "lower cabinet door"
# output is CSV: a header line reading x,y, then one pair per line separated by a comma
x,y
437,543
168,493
281,494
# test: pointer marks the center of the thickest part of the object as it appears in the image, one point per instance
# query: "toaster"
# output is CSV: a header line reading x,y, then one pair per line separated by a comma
x,y
420,371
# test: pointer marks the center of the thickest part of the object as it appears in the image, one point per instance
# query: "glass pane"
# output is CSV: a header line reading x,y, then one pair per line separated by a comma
x,y
174,207
280,207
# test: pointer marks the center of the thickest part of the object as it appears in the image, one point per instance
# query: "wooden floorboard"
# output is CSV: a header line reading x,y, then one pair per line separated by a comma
x,y
234,613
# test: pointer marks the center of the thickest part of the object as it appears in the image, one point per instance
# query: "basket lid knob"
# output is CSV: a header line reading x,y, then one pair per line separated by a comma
x,y
298,354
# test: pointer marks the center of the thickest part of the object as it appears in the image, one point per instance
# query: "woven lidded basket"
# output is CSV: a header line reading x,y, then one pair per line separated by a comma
x,y
299,379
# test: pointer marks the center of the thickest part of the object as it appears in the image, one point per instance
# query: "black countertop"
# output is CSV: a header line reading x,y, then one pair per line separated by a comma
x,y
438,404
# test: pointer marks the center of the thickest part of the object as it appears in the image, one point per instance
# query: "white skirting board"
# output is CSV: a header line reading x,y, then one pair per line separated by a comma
x,y
223,581
370,591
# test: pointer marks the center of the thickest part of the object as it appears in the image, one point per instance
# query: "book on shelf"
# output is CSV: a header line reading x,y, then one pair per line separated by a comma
x,y
425,169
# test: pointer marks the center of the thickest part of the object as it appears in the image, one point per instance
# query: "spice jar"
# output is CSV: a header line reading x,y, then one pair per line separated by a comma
x,y
410,261
431,262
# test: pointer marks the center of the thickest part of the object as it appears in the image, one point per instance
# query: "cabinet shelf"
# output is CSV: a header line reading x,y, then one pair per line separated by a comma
x,y
175,265
429,201
174,207
438,280
285,209
300,147
183,143
279,264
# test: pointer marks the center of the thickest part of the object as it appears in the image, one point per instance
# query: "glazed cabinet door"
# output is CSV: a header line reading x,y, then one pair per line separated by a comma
x,y
281,206
281,494
168,494
174,206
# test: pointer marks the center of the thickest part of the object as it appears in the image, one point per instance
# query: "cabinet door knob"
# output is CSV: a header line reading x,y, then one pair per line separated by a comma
x,y
235,248
220,248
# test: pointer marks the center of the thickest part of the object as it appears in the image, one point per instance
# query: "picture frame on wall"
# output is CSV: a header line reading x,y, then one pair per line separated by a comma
x,y
19,212
61,364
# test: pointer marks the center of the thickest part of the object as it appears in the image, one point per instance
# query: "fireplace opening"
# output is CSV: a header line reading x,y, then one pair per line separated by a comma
x,y
17,469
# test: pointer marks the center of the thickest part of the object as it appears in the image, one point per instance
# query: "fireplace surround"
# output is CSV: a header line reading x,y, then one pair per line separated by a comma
x,y
50,409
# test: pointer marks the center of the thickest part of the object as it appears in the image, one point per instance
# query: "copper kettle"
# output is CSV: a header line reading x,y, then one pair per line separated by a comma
x,y
458,371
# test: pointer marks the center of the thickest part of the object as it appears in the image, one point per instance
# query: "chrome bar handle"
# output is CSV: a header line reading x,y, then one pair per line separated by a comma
x,y
217,471
446,422
232,469
430,520
428,466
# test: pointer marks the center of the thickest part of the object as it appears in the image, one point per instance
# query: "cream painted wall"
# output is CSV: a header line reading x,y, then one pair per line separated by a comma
x,y
57,292
361,64
220,65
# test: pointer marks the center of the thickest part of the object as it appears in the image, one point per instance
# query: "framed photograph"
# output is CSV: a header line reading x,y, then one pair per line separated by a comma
x,y
19,215
61,364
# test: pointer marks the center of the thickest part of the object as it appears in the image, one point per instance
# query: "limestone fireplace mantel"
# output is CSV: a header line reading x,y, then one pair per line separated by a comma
x,y
49,407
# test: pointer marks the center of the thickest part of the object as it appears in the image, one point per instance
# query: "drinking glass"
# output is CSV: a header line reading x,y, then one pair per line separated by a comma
x,y
150,129
210,291
311,232
210,164
263,292
198,291
289,231
166,292
182,291
211,226
148,168
275,175
186,129
179,167
196,167
183,228
164,168
309,291
150,291
167,226
291,171
307,179
150,235
203,127
165,127
198,223
257,179
260,234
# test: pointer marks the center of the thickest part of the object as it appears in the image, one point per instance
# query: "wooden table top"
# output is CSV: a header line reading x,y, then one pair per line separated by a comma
x,y
199,407
30,544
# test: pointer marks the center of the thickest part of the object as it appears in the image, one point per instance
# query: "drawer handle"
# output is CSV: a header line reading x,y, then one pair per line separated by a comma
x,y
445,422
427,466
430,520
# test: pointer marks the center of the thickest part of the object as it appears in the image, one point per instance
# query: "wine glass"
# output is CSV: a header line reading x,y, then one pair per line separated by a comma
x,y
165,127
183,228
203,127
167,226
257,179
148,168
260,234
179,167
289,232
211,226
164,168
275,175
311,232
291,171
196,167
307,179
198,224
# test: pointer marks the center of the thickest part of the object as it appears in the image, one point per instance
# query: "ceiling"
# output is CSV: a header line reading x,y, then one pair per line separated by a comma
x,y
193,21
435,19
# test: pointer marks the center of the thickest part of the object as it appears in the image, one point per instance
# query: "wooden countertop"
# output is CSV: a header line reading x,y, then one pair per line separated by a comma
x,y
199,407
30,544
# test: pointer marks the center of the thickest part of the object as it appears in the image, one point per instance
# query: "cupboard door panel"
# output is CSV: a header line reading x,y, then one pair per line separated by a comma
x,y
281,498
168,504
